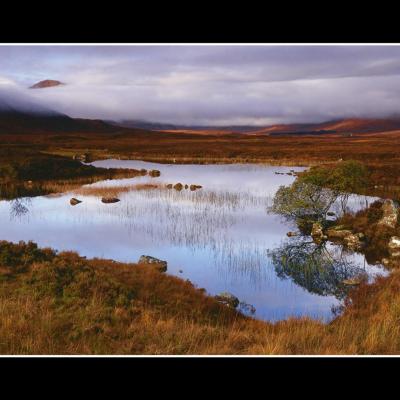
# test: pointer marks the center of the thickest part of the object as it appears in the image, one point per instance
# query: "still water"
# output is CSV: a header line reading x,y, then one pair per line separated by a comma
x,y
220,237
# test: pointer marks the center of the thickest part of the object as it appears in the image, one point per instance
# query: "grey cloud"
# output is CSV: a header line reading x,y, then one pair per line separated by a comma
x,y
211,84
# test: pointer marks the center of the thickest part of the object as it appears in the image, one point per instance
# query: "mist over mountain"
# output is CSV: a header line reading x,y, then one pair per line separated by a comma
x,y
13,100
21,114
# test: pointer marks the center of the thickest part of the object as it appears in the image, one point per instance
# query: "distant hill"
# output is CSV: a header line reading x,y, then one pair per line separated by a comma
x,y
350,125
19,114
46,84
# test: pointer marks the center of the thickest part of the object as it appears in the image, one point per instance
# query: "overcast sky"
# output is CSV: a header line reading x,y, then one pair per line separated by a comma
x,y
210,85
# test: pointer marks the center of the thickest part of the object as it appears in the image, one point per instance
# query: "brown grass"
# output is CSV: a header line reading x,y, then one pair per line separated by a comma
x,y
71,305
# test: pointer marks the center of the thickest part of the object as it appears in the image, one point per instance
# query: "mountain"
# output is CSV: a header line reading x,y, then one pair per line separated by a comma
x,y
20,114
342,126
46,84
199,129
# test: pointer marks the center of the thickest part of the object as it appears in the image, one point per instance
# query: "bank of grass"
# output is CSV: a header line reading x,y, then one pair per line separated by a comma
x,y
65,304
27,173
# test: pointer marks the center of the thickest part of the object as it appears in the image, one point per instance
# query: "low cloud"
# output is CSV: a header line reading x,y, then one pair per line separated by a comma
x,y
211,85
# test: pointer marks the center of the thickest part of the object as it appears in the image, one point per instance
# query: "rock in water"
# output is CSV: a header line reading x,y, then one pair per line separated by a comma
x,y
178,187
195,187
108,200
228,299
390,214
160,264
290,234
154,173
74,201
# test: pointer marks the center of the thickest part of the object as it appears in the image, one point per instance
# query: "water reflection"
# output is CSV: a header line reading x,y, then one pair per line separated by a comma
x,y
319,268
221,237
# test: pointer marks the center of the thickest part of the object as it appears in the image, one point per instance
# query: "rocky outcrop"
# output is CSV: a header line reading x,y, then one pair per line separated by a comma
x,y
390,214
347,237
74,201
108,200
228,299
160,264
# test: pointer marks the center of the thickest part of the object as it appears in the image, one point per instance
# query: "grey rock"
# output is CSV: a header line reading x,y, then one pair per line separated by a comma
x,y
160,264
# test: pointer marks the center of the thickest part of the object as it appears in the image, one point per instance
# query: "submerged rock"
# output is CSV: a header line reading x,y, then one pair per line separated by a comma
x,y
108,200
160,264
74,201
330,214
390,214
169,186
228,299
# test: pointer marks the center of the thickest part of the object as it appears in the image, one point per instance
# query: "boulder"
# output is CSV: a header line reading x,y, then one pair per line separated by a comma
x,y
178,187
74,201
169,186
108,200
390,214
228,299
394,246
330,214
154,173
160,264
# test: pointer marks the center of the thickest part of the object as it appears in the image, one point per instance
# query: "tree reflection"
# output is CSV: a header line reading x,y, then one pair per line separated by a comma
x,y
317,268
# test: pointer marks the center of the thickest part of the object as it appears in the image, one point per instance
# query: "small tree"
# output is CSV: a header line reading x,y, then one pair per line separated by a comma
x,y
302,201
